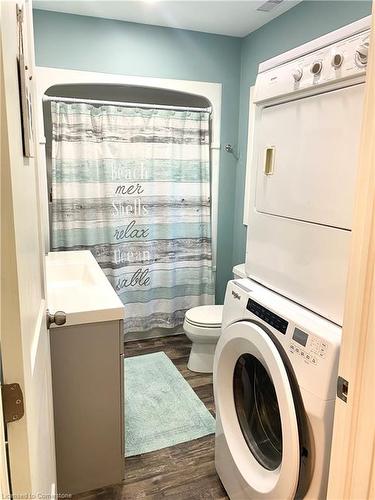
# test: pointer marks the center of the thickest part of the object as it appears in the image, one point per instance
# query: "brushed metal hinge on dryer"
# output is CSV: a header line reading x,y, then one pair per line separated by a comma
x,y
342,389
12,398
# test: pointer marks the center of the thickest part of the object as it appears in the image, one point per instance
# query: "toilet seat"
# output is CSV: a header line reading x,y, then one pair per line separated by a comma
x,y
205,316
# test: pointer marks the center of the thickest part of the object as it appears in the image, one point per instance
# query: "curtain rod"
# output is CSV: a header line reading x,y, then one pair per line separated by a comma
x,y
47,98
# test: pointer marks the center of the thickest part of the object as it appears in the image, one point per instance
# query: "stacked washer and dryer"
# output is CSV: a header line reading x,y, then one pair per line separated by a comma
x,y
276,361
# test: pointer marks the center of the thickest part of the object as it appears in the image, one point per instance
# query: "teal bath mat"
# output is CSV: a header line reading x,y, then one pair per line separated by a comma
x,y
161,409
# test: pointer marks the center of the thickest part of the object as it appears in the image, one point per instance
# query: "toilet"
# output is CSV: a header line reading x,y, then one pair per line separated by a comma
x,y
202,325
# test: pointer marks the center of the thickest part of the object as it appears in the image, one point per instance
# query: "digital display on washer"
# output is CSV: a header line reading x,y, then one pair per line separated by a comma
x,y
266,315
300,337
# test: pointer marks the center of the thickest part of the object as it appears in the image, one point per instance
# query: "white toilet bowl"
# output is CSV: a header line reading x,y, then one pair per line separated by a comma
x,y
202,326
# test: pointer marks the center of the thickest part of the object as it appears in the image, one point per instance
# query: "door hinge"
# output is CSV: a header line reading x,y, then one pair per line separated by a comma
x,y
342,389
13,407
19,12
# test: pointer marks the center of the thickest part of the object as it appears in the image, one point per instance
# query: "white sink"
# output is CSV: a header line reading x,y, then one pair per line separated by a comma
x,y
77,286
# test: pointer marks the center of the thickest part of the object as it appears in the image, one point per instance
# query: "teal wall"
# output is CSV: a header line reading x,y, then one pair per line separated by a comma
x,y
300,24
108,46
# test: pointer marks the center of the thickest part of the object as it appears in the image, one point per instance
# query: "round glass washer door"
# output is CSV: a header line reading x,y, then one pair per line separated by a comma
x,y
256,411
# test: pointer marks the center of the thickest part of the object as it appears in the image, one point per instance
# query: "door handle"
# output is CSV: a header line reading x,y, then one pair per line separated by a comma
x,y
59,318
269,160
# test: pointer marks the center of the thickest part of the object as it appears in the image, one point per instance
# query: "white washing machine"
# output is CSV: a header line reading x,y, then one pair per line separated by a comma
x,y
275,376
308,110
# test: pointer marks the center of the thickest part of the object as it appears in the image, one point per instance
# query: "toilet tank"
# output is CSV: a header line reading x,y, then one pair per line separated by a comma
x,y
239,271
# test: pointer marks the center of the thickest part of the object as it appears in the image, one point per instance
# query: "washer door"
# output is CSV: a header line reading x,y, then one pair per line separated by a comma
x,y
256,408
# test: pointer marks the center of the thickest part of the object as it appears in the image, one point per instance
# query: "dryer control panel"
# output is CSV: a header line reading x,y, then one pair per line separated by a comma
x,y
343,61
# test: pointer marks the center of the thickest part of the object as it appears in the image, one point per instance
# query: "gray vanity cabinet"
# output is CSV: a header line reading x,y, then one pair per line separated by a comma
x,y
87,380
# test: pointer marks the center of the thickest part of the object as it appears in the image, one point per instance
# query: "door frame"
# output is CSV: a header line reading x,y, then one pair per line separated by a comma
x,y
352,470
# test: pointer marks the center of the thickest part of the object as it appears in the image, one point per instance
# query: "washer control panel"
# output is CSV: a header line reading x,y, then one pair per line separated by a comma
x,y
311,342
343,60
267,316
310,347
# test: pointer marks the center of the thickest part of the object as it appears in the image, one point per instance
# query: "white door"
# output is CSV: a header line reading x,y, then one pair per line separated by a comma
x,y
257,413
307,155
24,336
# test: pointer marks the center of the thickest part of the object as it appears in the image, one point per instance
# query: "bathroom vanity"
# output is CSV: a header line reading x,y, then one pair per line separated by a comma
x,y
87,373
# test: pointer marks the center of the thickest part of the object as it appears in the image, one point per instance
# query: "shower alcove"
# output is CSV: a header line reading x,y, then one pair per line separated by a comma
x,y
138,90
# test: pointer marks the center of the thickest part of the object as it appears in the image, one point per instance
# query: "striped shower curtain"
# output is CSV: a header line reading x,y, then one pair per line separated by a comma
x,y
133,186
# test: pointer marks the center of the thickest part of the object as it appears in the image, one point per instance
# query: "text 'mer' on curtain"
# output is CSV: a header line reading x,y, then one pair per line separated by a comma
x,y
133,186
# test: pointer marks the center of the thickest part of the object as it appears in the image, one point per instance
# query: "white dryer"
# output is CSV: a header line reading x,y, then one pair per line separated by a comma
x,y
308,110
275,375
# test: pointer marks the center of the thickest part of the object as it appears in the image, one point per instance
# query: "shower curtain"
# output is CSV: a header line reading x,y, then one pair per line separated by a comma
x,y
133,186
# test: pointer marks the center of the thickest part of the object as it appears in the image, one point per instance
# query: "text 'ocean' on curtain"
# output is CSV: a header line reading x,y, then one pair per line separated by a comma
x,y
133,186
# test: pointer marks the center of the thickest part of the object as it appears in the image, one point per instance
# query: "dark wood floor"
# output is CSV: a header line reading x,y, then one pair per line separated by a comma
x,y
182,472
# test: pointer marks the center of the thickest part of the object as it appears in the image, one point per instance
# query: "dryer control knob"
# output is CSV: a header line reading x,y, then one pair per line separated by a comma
x,y
297,74
316,67
361,54
337,60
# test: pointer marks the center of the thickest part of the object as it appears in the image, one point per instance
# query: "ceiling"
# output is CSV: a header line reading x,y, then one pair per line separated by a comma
x,y
223,17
